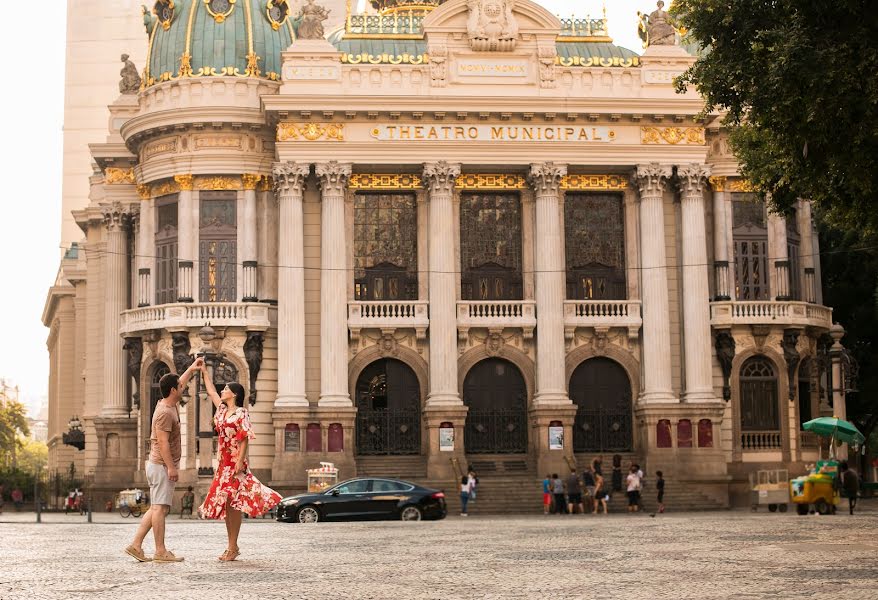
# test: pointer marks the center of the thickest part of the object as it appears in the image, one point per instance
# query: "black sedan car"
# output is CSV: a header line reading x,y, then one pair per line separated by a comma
x,y
365,498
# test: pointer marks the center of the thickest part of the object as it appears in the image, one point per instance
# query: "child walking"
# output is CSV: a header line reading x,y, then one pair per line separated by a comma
x,y
660,487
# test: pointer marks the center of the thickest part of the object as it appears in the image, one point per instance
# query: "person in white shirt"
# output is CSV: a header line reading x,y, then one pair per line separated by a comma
x,y
633,489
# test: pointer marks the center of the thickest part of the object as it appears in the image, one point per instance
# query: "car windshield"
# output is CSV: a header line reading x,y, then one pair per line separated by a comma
x,y
358,486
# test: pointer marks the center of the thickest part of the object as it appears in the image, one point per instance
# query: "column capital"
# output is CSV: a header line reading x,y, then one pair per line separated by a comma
x,y
651,178
290,177
117,215
440,177
333,177
546,178
186,182
692,179
718,183
250,180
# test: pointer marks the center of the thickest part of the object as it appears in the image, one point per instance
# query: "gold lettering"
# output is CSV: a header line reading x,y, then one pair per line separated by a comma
x,y
405,132
513,132
594,134
582,134
550,137
496,133
459,133
527,133
391,132
569,133
419,132
473,133
433,134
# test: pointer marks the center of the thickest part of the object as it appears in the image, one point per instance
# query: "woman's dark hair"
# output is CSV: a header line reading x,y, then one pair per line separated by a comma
x,y
238,389
464,480
659,474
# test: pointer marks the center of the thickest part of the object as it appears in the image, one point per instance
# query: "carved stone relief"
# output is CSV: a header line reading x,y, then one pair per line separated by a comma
x,y
492,26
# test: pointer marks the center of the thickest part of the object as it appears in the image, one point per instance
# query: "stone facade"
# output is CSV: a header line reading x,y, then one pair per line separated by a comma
x,y
255,205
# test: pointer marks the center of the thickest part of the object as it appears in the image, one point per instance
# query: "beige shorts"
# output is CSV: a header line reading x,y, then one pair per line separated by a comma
x,y
161,489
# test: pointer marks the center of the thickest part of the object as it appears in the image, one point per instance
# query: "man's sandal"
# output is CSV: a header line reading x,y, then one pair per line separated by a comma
x,y
137,554
167,557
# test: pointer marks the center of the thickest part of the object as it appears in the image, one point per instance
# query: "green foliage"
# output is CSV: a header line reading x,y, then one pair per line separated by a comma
x,y
13,425
32,455
798,83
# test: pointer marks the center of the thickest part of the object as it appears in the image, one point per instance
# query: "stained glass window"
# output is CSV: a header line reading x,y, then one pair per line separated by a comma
x,y
385,247
490,247
595,246
750,237
166,249
759,409
218,246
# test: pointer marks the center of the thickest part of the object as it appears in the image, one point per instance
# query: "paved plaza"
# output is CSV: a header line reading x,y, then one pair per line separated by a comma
x,y
734,554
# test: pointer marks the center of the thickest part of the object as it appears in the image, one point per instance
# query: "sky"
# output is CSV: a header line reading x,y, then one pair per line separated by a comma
x,y
30,166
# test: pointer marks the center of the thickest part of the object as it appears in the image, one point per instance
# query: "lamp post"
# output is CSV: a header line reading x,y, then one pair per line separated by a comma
x,y
205,431
75,436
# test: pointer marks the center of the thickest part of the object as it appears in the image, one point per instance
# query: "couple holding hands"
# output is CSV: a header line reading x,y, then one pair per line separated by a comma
x,y
234,489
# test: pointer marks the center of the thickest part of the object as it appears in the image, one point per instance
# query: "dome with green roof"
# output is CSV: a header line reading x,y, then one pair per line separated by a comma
x,y
204,38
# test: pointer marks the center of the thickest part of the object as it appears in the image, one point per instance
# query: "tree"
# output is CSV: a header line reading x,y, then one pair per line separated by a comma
x,y
32,455
13,423
797,83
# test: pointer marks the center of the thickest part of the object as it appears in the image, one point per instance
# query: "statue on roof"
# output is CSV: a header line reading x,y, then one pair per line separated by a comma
x,y
148,19
657,29
491,25
130,82
309,23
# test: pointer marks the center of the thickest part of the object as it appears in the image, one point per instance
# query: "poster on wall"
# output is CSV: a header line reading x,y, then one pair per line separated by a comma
x,y
556,438
446,439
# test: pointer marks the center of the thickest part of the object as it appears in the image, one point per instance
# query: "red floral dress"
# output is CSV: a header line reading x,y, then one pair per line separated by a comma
x,y
243,491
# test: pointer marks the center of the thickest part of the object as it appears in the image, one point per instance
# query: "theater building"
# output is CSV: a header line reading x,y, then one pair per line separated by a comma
x,y
443,234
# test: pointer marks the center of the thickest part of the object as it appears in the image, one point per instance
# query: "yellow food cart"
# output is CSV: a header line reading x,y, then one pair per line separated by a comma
x,y
321,478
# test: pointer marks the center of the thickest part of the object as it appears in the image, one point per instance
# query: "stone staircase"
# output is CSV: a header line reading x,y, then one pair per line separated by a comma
x,y
410,468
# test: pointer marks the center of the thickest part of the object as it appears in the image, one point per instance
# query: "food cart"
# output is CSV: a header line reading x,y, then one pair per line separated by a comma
x,y
132,502
321,478
770,487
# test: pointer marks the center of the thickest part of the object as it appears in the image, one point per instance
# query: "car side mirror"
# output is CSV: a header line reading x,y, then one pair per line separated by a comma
x,y
335,492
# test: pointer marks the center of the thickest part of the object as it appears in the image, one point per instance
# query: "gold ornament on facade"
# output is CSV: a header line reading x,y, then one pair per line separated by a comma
x,y
266,184
277,11
595,183
185,65
672,135
741,185
115,175
166,187
164,10
385,181
144,191
385,59
219,15
490,181
310,131
184,181
718,183
250,180
217,182
252,69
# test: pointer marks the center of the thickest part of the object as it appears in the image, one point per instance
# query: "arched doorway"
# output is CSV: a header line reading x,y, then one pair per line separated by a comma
x,y
388,409
496,394
601,390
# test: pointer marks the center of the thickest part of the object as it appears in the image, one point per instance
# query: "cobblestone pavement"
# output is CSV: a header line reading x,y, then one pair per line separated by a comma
x,y
697,555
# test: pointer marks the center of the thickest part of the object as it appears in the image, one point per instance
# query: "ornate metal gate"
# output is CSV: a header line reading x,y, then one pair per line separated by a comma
x,y
388,409
496,395
602,393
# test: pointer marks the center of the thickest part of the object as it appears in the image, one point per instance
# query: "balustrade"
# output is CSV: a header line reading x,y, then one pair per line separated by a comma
x,y
602,313
761,440
193,315
723,314
496,314
412,314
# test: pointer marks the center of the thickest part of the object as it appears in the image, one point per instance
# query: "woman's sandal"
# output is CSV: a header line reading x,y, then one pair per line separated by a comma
x,y
230,555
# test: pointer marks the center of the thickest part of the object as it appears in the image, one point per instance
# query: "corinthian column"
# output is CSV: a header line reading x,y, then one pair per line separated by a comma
x,y
651,180
289,181
545,178
117,217
692,181
333,177
439,179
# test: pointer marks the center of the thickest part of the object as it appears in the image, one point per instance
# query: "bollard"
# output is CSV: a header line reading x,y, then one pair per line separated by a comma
x,y
37,500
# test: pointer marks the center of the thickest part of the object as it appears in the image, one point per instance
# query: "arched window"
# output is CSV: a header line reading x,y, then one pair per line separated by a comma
x,y
759,406
218,246
385,247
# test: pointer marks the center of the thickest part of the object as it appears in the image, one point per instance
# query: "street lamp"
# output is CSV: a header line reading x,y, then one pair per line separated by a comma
x,y
75,436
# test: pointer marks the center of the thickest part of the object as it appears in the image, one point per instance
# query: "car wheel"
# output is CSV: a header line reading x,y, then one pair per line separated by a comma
x,y
308,514
411,513
782,507
772,508
802,509
822,507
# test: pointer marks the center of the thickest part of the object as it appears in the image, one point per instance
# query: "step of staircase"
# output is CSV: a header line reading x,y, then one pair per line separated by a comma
x,y
399,467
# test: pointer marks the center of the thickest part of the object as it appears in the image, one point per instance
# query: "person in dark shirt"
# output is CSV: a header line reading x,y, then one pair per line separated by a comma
x,y
588,481
850,485
660,488
574,493
558,493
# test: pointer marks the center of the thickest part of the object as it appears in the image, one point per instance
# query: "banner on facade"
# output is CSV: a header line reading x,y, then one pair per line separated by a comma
x,y
556,438
446,439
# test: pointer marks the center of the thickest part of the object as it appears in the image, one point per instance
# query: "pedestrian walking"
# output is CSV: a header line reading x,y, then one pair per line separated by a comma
x,y
464,495
589,484
574,493
633,489
163,464
642,486
601,493
850,485
235,490
617,473
558,494
597,464
547,494
660,490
